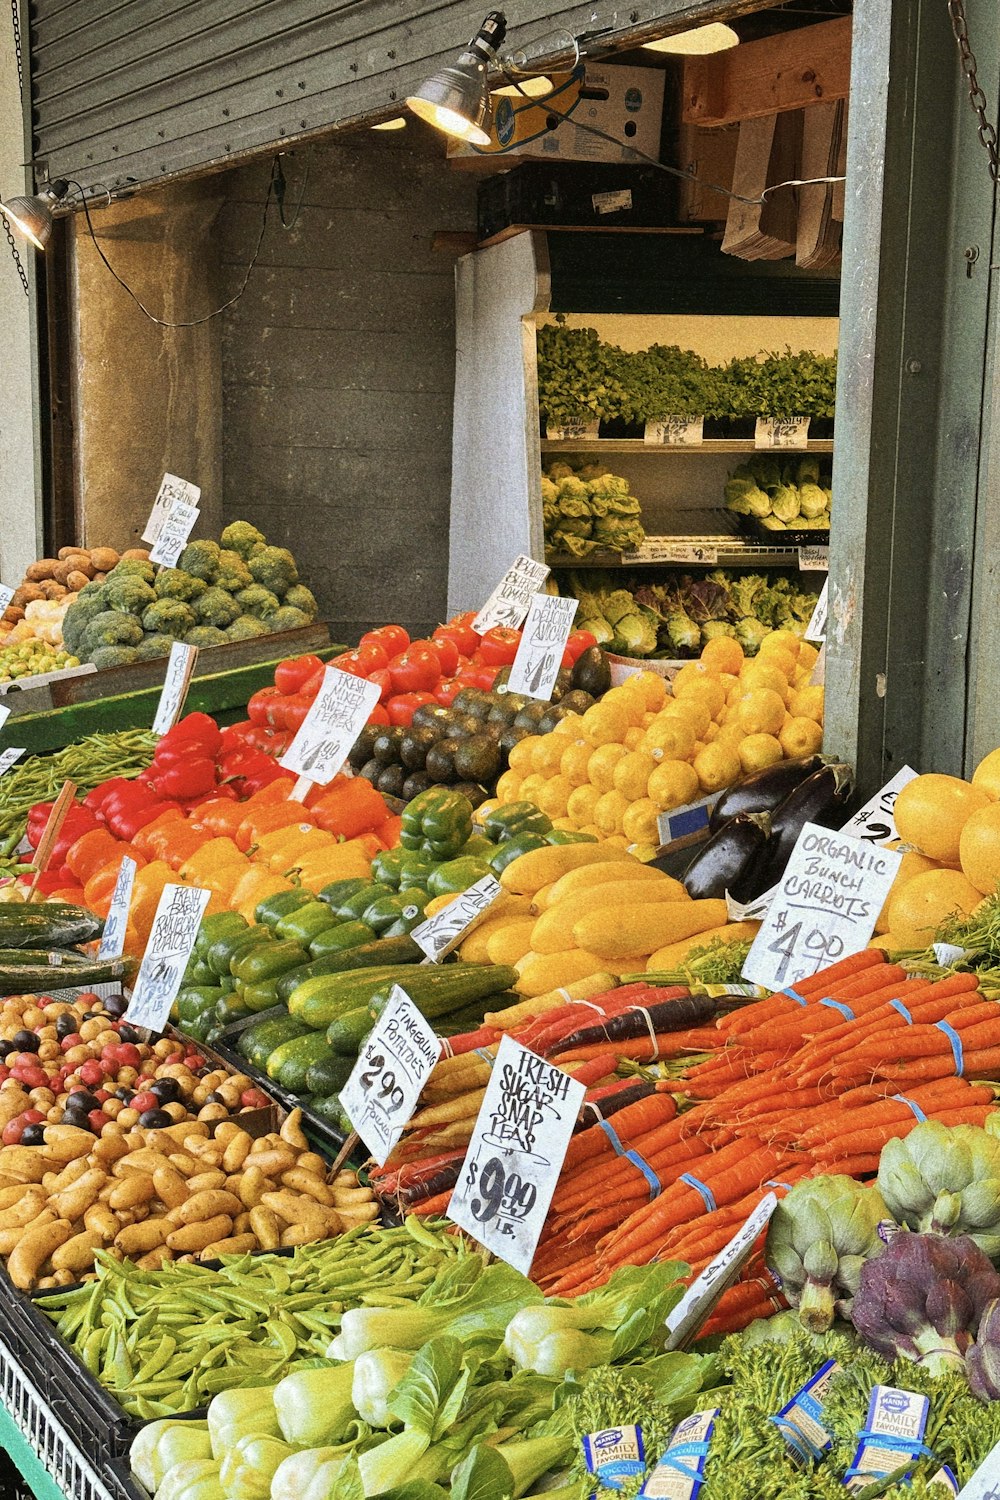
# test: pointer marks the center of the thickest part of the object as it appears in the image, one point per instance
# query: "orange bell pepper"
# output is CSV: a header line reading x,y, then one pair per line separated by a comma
x,y
389,831
209,858
276,791
154,839
221,817
319,867
253,886
90,851
100,887
71,893
266,819
146,892
349,809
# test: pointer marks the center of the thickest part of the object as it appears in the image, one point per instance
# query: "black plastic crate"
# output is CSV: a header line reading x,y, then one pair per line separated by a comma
x,y
575,195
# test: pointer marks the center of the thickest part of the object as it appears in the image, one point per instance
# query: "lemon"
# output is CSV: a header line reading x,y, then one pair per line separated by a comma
x,y
693,712
723,654
609,811
575,759
800,737
761,711
808,656
632,774
774,654
708,691
762,674
601,766
653,688
717,766
546,754
606,723
626,700
692,671
987,774
807,703
670,735
635,737
531,786
673,784
786,639
569,725
509,786
758,751
581,803
519,758
730,735
553,796
639,823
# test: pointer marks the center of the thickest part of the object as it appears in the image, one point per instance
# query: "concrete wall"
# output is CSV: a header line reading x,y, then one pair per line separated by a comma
x,y
338,372
20,524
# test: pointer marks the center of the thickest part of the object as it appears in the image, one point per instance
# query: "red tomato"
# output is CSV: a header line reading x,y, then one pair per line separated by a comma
x,y
498,646
351,662
291,675
479,676
392,638
378,715
447,654
448,691
577,643
296,709
402,708
418,670
459,629
383,677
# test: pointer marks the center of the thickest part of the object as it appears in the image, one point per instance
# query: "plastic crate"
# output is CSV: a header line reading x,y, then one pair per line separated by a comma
x,y
327,1137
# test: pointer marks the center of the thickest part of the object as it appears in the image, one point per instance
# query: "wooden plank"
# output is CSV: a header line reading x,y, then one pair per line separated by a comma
x,y
789,71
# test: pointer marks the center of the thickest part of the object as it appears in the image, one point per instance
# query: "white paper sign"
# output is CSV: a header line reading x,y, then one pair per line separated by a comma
x,y
827,903
440,935
675,432
180,666
171,490
396,1059
8,758
178,916
657,549
540,649
113,936
775,432
4,714
684,1320
816,629
174,533
6,595
948,954
587,432
985,1482
338,715
814,559
516,1153
874,822
750,911
509,601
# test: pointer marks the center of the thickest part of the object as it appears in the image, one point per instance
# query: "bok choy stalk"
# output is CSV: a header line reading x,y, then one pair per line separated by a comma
x,y
315,1406
248,1468
194,1479
237,1413
377,1373
307,1475
159,1446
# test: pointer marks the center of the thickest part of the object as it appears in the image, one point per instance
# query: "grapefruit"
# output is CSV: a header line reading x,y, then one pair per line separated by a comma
x,y
932,810
925,902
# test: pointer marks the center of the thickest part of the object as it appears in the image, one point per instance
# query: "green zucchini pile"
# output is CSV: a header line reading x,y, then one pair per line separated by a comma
x,y
39,949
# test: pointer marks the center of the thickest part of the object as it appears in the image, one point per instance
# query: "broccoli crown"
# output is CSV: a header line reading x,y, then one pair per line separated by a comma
x,y
299,597
128,593
91,590
241,537
275,568
111,628
78,617
257,601
134,567
246,628
114,656
232,572
153,646
216,607
206,635
174,583
287,618
169,617
201,559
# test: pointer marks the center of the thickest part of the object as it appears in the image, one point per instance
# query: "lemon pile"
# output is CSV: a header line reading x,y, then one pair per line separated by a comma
x,y
648,747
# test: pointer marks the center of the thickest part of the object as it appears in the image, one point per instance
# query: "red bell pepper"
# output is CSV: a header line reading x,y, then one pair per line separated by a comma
x,y
199,728
126,822
192,777
291,676
498,646
417,670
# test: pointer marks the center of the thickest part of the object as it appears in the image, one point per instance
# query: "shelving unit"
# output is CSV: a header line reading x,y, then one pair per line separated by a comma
x,y
715,530
663,450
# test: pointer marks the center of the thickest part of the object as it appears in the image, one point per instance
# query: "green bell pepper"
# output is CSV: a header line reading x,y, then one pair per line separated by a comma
x,y
351,909
437,821
513,818
511,849
340,890
478,847
416,870
306,923
457,875
282,904
216,926
387,867
400,906
268,961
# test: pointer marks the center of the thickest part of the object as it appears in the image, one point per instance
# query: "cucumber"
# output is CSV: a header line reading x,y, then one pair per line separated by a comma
x,y
55,924
216,926
339,891
331,1112
33,971
379,952
289,1063
333,939
305,923
436,991
264,1037
273,908
329,1075
226,947
346,1034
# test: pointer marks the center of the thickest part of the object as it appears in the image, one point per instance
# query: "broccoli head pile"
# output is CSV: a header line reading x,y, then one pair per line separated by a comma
x,y
589,510
784,496
230,590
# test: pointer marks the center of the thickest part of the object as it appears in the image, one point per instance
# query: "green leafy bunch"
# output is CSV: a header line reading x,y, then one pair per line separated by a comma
x,y
802,384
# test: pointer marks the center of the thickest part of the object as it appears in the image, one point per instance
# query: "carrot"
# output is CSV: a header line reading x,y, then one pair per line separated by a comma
x,y
429,1207
865,1165
643,1048
819,1019
870,1139
635,1119
623,1176
778,1004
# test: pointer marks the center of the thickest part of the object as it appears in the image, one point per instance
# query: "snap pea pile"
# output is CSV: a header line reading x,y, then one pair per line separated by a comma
x,y
87,762
167,1341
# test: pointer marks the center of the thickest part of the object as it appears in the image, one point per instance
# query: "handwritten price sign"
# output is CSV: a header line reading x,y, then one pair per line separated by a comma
x,y
172,490
175,927
331,726
509,601
395,1062
543,641
874,822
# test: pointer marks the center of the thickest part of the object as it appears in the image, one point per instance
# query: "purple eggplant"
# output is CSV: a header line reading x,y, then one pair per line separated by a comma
x,y
763,791
821,798
727,861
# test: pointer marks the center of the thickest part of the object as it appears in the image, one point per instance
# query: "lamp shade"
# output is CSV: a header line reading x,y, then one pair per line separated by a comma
x,y
33,216
456,99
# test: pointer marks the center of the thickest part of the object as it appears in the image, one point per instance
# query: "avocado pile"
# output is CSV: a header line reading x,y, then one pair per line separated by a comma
x,y
467,745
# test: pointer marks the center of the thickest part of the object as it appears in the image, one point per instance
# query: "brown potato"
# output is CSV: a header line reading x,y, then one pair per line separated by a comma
x,y
34,1248
309,1184
139,1239
264,1223
303,1234
71,551
194,1237
132,1190
25,594
76,580
171,1187
161,1256
272,1163
103,558
236,1244
206,1182
65,1143
236,1152
206,1205
141,553
77,1254
52,588
102,1221
253,1184
43,568
72,1203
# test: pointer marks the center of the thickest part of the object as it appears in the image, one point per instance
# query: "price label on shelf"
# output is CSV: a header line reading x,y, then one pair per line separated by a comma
x,y
675,432
684,1320
682,822
874,822
173,534
509,601
171,490
441,935
336,718
395,1062
576,432
113,936
825,909
176,681
772,432
6,595
540,649
814,559
9,757
816,629
175,926
516,1153
658,549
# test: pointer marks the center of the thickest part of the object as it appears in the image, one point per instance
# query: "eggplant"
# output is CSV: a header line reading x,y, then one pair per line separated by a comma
x,y
726,862
821,796
763,791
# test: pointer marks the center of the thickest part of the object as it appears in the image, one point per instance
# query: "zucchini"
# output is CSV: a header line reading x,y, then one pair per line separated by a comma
x,y
335,939
273,908
353,907
216,926
339,891
258,1041
329,1075
226,947
289,1063
56,924
436,990
307,922
331,1112
377,953
34,971
229,1008
346,1034
267,960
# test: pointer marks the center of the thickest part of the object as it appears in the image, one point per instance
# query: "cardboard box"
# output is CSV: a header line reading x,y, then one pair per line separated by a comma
x,y
569,195
710,154
626,103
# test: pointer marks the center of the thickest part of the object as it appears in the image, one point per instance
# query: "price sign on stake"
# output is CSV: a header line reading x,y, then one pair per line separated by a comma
x,y
509,601
874,822
113,936
684,1320
171,490
816,629
180,670
396,1060
175,927
543,641
331,726
9,757
173,534
516,1153
439,935
6,595
825,909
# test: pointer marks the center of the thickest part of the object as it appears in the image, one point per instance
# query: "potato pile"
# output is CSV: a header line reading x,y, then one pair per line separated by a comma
x,y
49,587
160,1195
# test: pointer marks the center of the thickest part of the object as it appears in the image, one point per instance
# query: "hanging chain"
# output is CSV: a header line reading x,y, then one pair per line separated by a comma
x,y
20,89
987,134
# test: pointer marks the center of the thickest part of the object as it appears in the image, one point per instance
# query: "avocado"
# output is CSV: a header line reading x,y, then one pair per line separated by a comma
x,y
477,758
576,702
440,763
528,717
563,683
390,781
471,791
361,750
592,672
386,748
414,745
371,770
416,782
549,720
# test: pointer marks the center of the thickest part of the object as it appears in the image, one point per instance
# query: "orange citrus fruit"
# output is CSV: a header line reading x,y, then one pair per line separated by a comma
x,y
761,711
931,811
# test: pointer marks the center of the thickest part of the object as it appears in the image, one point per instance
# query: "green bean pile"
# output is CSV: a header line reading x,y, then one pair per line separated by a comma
x,y
87,762
167,1341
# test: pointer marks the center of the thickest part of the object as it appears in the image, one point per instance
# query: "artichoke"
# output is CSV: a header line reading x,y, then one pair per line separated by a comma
x,y
945,1179
817,1242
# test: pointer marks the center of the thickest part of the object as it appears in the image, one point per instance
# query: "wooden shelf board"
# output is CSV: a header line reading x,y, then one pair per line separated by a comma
x,y
710,445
